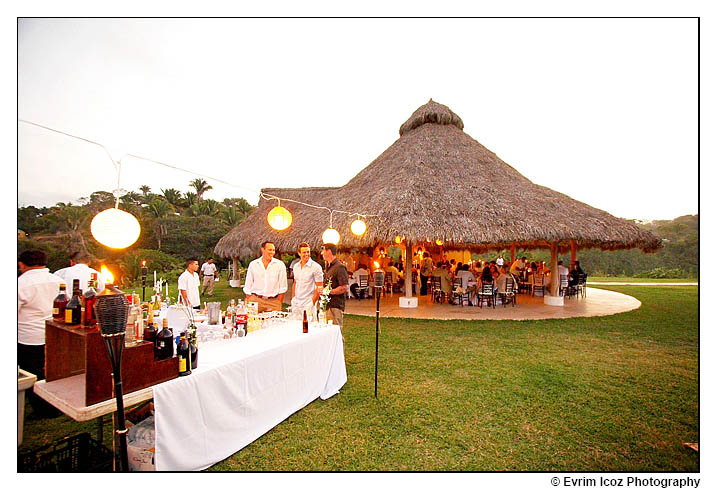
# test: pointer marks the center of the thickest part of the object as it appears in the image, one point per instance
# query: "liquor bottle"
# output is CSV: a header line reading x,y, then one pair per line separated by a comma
x,y
185,367
193,353
58,305
163,343
156,305
150,333
305,323
73,309
90,296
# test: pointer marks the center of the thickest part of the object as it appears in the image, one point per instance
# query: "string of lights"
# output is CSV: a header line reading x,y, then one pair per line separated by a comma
x,y
279,218
265,196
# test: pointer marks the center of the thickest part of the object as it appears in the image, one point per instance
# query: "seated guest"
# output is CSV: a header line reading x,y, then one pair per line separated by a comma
x,y
501,280
518,267
442,271
562,270
392,274
361,271
486,276
573,274
466,276
494,270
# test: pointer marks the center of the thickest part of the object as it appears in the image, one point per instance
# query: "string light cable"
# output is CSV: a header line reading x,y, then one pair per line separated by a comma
x,y
118,166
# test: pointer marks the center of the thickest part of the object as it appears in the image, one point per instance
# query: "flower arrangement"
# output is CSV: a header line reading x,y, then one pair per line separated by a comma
x,y
324,296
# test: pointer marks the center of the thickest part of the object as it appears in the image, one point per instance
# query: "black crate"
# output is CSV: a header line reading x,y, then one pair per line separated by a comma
x,y
71,454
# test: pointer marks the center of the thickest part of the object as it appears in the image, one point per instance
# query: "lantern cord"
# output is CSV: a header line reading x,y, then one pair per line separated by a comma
x,y
118,164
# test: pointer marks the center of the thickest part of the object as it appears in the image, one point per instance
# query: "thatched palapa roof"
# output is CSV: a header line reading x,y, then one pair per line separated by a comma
x,y
436,182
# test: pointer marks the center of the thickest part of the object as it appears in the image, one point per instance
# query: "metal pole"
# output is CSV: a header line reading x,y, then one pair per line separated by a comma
x,y
114,345
376,341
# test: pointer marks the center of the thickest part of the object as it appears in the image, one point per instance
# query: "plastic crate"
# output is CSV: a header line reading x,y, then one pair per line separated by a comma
x,y
71,454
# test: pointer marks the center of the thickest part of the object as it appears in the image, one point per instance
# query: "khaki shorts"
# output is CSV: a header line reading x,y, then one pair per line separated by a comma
x,y
271,304
336,316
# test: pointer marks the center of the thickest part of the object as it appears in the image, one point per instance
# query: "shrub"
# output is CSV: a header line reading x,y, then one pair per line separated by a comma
x,y
131,263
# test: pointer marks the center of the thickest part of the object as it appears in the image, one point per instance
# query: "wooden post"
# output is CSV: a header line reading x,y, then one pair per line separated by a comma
x,y
573,252
555,279
513,253
235,267
407,269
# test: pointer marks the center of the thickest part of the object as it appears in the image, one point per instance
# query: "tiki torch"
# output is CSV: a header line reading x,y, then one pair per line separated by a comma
x,y
111,312
144,278
378,285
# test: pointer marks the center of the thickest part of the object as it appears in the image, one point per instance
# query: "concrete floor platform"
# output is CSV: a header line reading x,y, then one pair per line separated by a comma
x,y
597,302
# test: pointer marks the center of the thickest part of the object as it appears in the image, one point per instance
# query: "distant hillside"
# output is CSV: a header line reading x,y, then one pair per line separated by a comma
x,y
678,258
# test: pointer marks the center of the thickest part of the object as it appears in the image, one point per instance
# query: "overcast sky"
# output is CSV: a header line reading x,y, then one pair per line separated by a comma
x,y
604,110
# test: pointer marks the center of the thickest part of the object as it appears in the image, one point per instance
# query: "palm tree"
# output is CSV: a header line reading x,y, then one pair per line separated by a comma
x,y
71,221
232,216
210,207
158,209
145,189
201,186
190,198
173,196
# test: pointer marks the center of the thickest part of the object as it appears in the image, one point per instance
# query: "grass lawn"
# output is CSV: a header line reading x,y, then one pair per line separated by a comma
x,y
616,393
628,279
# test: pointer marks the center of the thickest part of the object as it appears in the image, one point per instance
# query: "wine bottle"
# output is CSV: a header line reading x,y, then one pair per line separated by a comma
x,y
73,309
185,367
90,296
163,343
58,305
305,323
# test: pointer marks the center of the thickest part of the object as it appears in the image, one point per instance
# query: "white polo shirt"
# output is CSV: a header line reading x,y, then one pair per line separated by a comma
x,y
208,269
266,282
36,291
305,280
190,283
79,272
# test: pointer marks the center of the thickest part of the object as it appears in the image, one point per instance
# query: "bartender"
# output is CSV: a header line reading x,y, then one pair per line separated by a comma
x,y
266,281
188,284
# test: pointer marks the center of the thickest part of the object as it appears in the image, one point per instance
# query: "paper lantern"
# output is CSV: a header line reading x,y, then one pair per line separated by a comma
x,y
115,228
358,227
279,218
398,239
439,242
330,236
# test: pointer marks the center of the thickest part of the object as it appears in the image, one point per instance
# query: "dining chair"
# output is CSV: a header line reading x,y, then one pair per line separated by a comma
x,y
509,293
438,294
537,284
486,293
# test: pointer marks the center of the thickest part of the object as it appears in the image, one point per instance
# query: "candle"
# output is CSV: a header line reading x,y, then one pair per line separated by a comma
x,y
155,277
167,290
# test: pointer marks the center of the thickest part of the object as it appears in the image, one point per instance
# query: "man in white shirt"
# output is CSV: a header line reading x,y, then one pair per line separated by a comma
x,y
209,272
79,270
188,284
354,288
466,276
266,281
562,270
308,281
36,291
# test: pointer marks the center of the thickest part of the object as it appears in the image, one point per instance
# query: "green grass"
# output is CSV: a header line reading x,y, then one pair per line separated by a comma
x,y
615,393
629,279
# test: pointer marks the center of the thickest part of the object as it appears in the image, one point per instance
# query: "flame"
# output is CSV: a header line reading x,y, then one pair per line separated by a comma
x,y
376,264
107,277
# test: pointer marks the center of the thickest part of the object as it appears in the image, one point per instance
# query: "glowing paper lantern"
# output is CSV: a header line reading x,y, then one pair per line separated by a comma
x,y
115,228
439,242
398,239
330,236
358,227
279,218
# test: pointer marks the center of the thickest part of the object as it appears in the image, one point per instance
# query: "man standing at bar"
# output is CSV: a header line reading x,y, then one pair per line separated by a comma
x,y
308,279
36,290
336,273
209,273
79,270
266,281
188,284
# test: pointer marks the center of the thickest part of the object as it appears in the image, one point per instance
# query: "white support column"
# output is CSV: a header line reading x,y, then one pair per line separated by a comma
x,y
553,298
408,301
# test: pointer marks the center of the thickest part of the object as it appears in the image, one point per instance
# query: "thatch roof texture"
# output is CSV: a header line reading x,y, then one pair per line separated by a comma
x,y
436,182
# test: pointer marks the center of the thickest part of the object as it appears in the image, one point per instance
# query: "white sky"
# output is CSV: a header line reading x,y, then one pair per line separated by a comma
x,y
604,110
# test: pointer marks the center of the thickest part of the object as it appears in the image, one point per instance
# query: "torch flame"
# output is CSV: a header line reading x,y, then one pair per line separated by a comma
x,y
107,277
376,264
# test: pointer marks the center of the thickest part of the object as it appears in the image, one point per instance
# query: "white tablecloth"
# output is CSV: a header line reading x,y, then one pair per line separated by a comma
x,y
243,388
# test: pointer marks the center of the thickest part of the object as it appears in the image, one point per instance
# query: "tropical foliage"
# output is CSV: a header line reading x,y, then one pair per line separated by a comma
x,y
175,224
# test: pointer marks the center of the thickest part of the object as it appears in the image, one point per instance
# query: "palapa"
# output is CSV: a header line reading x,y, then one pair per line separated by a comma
x,y
436,182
